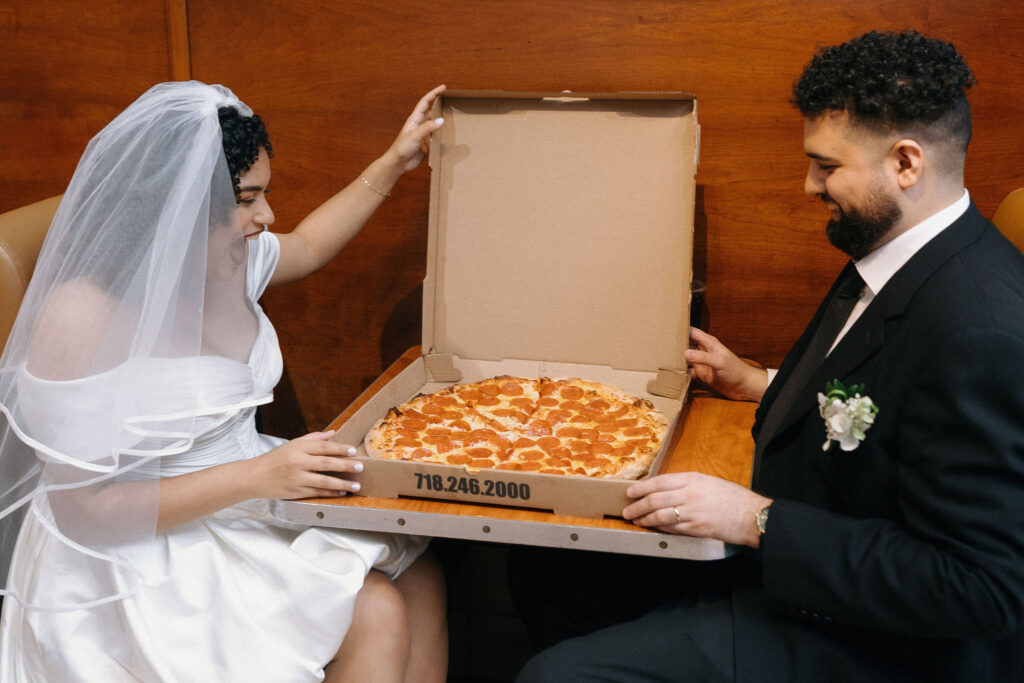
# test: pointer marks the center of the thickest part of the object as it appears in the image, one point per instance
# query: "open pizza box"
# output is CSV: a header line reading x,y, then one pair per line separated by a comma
x,y
560,245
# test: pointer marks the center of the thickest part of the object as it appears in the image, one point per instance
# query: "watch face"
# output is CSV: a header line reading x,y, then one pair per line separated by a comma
x,y
762,520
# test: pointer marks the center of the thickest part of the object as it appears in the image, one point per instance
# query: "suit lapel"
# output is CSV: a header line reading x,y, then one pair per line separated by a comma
x,y
867,335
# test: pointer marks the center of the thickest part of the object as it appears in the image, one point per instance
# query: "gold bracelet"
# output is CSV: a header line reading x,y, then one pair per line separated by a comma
x,y
367,183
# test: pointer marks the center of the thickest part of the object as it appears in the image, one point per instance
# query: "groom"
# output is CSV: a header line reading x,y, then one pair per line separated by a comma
x,y
896,551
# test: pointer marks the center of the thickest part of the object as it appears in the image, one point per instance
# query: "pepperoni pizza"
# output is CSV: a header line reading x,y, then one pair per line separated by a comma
x,y
548,426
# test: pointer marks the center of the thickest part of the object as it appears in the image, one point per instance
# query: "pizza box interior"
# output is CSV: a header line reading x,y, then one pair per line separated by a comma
x,y
560,245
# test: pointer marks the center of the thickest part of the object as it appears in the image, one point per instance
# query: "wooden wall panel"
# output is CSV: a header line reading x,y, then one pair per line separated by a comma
x,y
68,68
335,78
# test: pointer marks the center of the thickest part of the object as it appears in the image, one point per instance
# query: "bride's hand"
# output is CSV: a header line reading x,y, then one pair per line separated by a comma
x,y
300,467
410,147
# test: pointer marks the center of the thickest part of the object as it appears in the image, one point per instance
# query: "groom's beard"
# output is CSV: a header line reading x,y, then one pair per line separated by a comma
x,y
856,231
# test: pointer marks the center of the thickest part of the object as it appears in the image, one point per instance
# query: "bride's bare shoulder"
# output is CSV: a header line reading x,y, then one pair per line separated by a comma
x,y
73,326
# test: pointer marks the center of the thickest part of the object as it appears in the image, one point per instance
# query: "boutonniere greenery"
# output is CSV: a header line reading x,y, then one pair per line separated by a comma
x,y
848,414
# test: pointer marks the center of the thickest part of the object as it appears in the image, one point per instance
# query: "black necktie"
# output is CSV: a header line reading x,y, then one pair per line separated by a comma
x,y
837,312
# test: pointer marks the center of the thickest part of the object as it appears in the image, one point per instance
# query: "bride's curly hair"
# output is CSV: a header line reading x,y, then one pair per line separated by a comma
x,y
892,82
242,137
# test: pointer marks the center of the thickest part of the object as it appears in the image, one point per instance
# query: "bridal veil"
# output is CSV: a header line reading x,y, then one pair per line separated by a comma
x,y
143,266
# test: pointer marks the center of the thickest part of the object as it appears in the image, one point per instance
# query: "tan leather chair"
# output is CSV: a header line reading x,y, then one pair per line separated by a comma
x,y
21,236
1009,217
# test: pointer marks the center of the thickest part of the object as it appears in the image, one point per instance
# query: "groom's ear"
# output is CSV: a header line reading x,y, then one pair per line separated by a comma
x,y
906,158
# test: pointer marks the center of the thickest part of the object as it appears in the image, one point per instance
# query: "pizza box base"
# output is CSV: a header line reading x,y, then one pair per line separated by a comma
x,y
563,495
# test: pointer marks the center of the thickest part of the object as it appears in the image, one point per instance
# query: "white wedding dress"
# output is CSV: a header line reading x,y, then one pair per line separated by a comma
x,y
234,597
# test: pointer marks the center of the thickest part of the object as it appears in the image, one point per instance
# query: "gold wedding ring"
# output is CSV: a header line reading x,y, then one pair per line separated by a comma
x,y
678,519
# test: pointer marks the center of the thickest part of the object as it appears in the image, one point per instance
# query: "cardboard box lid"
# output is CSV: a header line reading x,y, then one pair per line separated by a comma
x,y
561,227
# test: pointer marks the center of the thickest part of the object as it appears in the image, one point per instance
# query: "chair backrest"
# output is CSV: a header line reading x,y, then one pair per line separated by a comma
x,y
21,236
1009,217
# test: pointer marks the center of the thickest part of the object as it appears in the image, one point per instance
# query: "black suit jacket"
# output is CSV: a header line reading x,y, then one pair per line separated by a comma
x,y
902,560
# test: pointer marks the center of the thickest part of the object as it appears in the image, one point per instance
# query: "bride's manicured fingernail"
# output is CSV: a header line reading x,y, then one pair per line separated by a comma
x,y
351,450
356,486
358,467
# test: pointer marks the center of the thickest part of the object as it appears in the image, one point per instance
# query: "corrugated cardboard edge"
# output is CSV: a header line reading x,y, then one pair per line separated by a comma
x,y
440,367
670,383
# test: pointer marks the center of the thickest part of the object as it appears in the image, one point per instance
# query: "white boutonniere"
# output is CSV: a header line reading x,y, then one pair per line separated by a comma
x,y
848,414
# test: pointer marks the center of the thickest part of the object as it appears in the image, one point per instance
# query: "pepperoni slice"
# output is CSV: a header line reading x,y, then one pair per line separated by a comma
x,y
512,389
548,443
638,431
538,428
459,459
524,403
420,453
488,401
524,443
600,447
578,446
547,402
548,388
532,455
438,431
571,392
469,395
432,409
560,452
408,443
461,425
480,463
479,452
549,470
490,389
628,422
580,419
559,415
530,466
413,424
599,404
567,432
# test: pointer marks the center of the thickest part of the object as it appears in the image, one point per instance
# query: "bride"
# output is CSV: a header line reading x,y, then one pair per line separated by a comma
x,y
134,525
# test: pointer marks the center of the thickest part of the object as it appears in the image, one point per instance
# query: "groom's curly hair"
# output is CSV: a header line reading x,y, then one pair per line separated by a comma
x,y
892,82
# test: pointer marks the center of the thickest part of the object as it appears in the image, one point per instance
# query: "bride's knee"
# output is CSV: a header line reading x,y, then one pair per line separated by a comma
x,y
380,607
